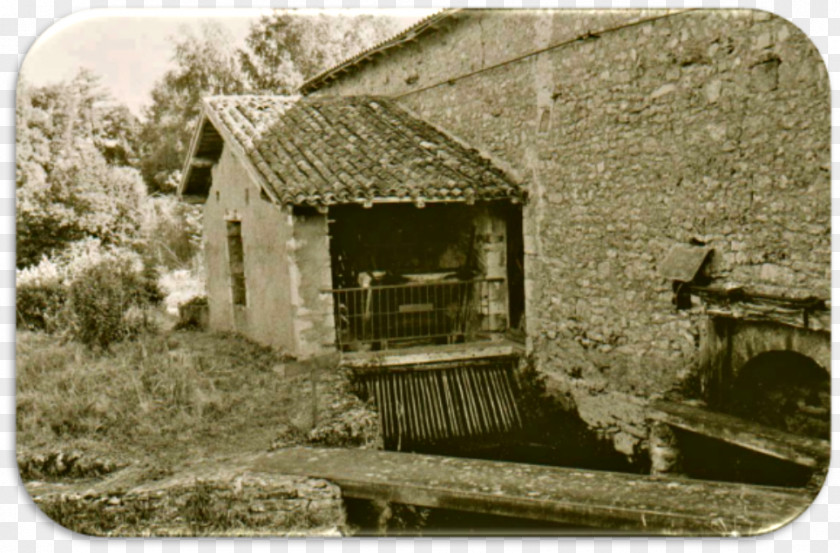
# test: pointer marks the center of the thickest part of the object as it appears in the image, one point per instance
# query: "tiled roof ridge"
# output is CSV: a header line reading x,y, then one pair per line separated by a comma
x,y
417,28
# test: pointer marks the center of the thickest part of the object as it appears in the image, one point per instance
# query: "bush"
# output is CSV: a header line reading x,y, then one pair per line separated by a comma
x,y
39,306
40,296
105,304
95,294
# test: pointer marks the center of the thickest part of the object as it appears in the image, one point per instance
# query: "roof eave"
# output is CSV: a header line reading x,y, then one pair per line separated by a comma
x,y
186,170
239,152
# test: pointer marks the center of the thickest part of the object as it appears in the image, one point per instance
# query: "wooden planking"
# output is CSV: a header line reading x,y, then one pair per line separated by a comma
x,y
428,406
618,502
802,450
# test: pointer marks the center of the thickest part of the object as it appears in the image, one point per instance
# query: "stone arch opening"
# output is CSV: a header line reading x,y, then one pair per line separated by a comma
x,y
785,390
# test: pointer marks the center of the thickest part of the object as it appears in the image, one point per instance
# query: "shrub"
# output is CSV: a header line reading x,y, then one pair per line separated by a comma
x,y
94,293
39,306
105,304
40,296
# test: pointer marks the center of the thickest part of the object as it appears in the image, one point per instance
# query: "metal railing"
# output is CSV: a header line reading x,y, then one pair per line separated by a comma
x,y
386,316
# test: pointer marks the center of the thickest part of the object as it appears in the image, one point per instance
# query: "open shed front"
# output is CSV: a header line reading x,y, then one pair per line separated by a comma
x,y
425,231
443,274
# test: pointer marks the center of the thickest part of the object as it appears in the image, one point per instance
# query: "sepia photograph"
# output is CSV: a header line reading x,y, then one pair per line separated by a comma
x,y
459,272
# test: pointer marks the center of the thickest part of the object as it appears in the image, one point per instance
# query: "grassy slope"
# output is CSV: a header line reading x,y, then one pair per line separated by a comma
x,y
166,401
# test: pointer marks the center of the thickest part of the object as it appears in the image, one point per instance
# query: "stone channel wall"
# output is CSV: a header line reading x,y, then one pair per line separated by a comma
x,y
222,503
634,131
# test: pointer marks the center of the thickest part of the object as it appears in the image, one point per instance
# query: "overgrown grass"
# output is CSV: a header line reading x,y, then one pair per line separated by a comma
x,y
162,398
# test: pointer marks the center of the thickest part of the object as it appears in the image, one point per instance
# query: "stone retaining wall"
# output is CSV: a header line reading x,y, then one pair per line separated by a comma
x,y
234,503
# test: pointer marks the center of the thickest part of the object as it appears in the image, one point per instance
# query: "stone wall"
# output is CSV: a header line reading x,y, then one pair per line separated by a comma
x,y
223,502
634,130
730,344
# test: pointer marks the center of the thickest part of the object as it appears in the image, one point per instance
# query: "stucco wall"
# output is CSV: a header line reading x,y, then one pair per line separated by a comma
x,y
654,129
266,229
308,256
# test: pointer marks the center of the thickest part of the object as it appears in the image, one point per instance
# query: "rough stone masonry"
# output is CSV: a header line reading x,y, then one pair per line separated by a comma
x,y
635,131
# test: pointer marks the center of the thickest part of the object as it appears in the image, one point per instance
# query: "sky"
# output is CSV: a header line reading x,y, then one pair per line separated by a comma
x,y
131,49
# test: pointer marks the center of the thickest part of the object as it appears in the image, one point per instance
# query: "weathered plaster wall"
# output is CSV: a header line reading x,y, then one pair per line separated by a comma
x,y
308,256
652,130
266,229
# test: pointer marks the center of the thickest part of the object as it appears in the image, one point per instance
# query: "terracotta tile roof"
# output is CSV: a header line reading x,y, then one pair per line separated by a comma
x,y
338,150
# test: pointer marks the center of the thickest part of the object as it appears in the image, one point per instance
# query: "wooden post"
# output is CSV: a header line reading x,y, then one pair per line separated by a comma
x,y
665,457
385,514
716,359
313,377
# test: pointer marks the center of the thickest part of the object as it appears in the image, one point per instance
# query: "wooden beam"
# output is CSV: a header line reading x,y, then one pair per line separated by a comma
x,y
193,198
202,162
427,355
801,450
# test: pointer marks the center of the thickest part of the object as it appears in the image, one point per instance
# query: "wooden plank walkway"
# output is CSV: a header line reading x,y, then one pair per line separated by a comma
x,y
618,502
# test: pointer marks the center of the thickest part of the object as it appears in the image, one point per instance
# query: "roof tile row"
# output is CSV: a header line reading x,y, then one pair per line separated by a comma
x,y
334,150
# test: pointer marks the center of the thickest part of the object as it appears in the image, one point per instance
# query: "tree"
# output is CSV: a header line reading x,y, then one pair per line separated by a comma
x,y
82,196
281,51
204,65
284,49
77,109
74,180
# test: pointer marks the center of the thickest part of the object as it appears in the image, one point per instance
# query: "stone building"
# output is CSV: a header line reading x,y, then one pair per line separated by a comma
x,y
675,167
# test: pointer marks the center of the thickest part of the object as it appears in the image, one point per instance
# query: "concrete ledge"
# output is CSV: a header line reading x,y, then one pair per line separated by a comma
x,y
585,500
802,450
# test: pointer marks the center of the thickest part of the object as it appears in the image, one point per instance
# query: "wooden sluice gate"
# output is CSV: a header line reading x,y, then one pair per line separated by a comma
x,y
442,403
450,394
431,396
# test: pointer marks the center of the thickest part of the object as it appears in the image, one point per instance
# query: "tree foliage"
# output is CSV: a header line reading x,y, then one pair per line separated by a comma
x,y
205,64
74,180
284,49
280,52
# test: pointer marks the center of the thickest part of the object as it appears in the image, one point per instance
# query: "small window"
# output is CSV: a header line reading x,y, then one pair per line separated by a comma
x,y
247,196
217,196
236,258
545,121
